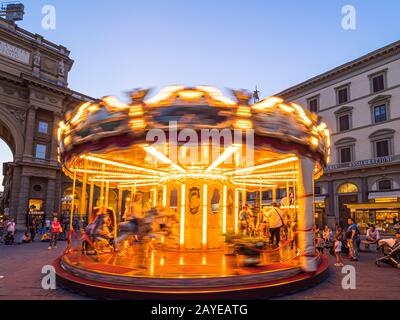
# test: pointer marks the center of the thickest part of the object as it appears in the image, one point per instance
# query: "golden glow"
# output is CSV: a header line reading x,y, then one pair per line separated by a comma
x,y
137,185
261,166
205,207
164,94
81,111
137,124
314,141
286,108
236,212
182,222
255,185
216,94
302,114
164,159
244,111
224,203
190,95
136,110
266,103
114,102
121,165
164,196
224,156
243,124
154,194
130,181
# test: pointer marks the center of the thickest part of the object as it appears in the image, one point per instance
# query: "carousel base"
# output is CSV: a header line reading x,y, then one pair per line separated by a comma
x,y
192,275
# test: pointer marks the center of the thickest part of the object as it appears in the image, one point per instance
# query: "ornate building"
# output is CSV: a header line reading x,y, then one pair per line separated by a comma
x,y
34,96
360,102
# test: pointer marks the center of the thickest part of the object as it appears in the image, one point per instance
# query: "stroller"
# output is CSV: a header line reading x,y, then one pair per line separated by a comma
x,y
9,238
390,252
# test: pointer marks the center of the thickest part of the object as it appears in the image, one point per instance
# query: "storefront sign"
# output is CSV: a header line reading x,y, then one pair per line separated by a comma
x,y
362,163
36,213
15,53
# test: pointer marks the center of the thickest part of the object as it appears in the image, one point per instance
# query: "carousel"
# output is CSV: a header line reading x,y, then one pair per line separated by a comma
x,y
182,166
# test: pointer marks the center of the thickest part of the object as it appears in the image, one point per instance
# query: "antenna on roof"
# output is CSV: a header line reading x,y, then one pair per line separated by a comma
x,y
12,10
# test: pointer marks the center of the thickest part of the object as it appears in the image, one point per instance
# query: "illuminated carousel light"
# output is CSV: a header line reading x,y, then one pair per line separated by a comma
x,y
200,197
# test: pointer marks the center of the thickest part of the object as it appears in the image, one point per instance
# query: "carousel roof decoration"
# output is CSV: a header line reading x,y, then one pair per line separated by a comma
x,y
111,136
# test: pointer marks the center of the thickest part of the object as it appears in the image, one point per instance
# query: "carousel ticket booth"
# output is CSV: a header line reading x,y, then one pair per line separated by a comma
x,y
184,160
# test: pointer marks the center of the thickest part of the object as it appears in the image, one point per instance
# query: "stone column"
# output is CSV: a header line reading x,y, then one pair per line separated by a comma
x,y
54,140
50,197
58,194
29,133
14,192
364,189
23,197
306,215
331,217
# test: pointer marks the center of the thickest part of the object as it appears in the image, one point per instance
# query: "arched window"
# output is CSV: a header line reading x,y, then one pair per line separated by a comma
x,y
347,188
385,184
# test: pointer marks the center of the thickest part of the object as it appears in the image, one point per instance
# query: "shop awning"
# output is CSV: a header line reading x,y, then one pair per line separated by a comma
x,y
384,194
319,199
379,205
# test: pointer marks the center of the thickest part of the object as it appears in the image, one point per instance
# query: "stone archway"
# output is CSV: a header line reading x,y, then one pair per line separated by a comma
x,y
12,133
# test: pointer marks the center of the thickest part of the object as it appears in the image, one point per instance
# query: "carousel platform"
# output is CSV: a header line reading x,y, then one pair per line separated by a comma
x,y
169,275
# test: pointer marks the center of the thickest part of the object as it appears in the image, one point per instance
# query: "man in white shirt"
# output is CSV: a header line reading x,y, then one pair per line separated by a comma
x,y
373,236
274,216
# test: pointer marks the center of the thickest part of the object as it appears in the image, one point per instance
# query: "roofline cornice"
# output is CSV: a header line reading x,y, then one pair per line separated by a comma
x,y
373,56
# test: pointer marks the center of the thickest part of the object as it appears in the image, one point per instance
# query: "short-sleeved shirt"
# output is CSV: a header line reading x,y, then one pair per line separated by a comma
x,y
354,227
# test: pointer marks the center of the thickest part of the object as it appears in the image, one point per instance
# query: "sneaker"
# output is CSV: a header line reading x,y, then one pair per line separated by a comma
x,y
341,264
49,248
337,264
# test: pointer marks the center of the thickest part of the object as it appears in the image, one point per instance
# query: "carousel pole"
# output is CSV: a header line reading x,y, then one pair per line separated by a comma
x,y
71,214
237,210
273,195
182,220
224,204
83,196
119,203
308,259
101,204
205,212
107,194
91,194
165,190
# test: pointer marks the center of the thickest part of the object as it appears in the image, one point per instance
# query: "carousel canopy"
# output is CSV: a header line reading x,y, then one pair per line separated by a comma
x,y
190,132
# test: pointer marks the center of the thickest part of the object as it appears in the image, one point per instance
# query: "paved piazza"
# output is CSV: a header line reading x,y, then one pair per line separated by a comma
x,y
21,267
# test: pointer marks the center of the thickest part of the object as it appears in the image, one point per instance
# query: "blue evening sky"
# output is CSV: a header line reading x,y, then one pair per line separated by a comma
x,y
120,45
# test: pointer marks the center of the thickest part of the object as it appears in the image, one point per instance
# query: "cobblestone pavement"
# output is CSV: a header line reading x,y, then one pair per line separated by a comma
x,y
21,267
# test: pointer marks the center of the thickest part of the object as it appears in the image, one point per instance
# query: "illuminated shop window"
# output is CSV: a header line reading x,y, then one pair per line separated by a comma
x,y
348,188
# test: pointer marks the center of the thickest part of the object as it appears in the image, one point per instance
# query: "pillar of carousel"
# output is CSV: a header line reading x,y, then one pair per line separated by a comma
x,y
145,150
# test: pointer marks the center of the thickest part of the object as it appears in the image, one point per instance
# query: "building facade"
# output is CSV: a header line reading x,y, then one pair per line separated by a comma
x,y
360,102
34,96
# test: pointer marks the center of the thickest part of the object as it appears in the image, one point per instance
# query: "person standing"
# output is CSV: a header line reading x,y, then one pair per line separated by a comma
x,y
32,229
55,232
274,217
338,251
353,236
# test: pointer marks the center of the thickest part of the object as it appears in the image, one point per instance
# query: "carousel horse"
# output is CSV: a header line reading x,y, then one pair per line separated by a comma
x,y
98,234
137,228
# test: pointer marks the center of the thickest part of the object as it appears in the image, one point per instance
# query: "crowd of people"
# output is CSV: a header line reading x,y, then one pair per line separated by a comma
x,y
46,231
274,223
277,222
